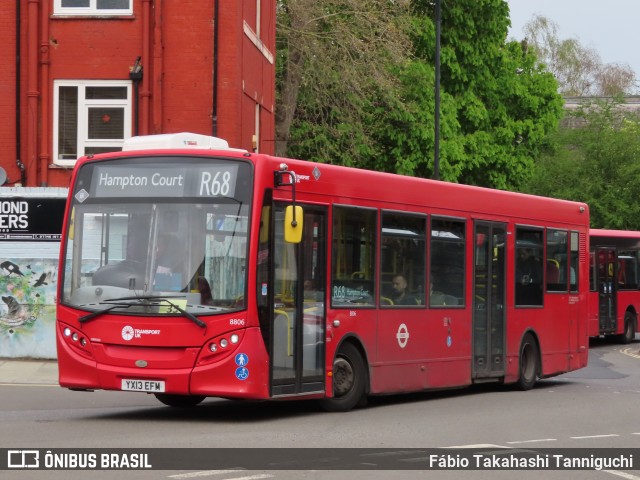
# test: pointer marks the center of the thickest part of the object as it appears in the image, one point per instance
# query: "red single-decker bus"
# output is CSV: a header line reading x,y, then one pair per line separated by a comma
x,y
614,293
192,270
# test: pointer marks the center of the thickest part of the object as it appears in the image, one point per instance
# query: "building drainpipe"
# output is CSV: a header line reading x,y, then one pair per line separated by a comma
x,y
135,75
214,107
19,164
158,68
146,39
33,94
45,135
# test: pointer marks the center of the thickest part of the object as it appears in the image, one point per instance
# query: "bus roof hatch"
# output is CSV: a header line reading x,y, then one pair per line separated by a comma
x,y
175,141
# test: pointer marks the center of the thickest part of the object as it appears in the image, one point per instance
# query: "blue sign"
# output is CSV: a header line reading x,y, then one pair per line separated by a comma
x,y
242,359
242,373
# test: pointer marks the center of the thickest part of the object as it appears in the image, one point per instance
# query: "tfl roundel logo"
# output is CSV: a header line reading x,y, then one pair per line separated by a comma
x,y
127,332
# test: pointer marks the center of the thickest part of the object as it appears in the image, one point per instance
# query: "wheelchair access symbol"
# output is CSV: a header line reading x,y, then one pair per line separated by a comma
x,y
242,372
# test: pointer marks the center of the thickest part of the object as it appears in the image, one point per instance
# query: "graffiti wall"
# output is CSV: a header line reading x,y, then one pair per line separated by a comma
x,y
30,225
27,311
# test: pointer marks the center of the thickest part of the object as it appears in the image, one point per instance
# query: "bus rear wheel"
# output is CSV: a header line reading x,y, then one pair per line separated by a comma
x,y
629,334
179,401
528,363
349,376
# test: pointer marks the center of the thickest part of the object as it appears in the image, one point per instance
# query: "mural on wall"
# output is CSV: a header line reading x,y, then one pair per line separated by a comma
x,y
30,231
27,309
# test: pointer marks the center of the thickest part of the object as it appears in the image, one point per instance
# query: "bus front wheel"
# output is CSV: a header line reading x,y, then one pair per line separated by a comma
x,y
349,376
528,363
179,401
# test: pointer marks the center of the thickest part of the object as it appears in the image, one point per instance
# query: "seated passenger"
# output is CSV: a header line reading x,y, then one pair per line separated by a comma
x,y
435,297
400,294
205,291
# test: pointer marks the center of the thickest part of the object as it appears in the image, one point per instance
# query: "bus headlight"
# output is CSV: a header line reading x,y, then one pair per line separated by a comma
x,y
221,347
76,340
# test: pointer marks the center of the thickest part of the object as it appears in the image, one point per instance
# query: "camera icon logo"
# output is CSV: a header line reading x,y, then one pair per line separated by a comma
x,y
23,459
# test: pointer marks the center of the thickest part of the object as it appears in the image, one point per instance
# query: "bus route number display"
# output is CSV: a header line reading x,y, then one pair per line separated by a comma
x,y
165,181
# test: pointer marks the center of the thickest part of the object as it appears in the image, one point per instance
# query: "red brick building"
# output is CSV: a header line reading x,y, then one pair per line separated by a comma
x,y
80,76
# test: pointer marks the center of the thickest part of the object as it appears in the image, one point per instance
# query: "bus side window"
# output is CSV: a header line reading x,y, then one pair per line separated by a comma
x,y
447,262
627,270
403,260
557,261
354,247
528,276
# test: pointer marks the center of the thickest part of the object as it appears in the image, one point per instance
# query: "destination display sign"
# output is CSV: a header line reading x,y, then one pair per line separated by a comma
x,y
218,180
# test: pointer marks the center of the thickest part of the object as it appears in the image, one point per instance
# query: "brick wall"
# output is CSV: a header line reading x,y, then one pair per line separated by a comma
x,y
179,71
8,89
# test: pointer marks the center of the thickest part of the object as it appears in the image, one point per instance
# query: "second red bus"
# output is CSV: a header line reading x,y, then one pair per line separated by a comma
x,y
614,296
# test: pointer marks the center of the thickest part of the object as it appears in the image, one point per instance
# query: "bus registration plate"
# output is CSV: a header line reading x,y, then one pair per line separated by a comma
x,y
142,385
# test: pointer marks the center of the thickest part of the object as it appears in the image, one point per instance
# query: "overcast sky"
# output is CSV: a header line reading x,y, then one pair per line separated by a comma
x,y
611,27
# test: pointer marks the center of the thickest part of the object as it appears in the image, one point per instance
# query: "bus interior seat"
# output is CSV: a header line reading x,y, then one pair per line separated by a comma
x,y
553,271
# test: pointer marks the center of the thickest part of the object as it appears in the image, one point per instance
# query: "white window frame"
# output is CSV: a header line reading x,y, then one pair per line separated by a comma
x,y
83,115
258,17
92,10
257,127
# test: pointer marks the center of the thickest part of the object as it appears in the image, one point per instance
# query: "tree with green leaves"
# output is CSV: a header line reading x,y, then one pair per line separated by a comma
x,y
497,103
335,62
597,161
356,87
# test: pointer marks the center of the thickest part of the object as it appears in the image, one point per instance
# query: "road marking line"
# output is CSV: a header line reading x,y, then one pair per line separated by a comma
x,y
628,476
627,351
479,445
29,385
389,454
253,477
595,436
211,473
204,473
414,459
534,441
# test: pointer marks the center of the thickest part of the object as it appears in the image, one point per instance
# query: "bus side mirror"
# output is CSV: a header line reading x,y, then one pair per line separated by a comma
x,y
293,224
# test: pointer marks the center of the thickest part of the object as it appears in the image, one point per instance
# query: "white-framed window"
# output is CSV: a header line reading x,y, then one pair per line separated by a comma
x,y
89,116
93,7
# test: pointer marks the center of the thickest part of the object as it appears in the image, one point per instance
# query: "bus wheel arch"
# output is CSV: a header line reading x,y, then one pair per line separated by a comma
x,y
630,327
529,362
350,376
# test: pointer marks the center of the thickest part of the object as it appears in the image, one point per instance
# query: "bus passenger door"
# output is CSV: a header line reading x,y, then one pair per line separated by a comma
x,y
298,311
489,313
607,287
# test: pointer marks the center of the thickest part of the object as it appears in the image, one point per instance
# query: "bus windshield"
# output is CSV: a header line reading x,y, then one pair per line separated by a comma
x,y
158,237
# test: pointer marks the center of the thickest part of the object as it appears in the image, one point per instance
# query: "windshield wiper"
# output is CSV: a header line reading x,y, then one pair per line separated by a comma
x,y
155,301
92,315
